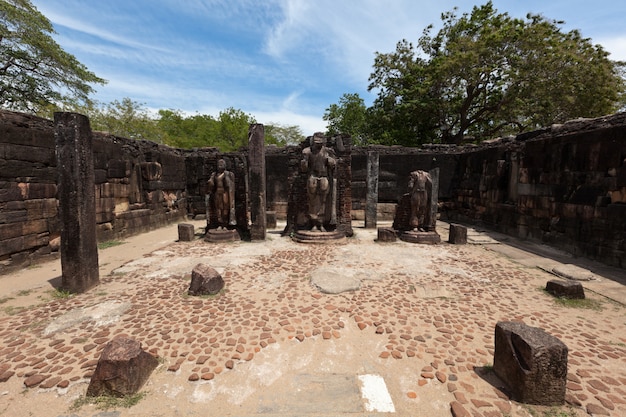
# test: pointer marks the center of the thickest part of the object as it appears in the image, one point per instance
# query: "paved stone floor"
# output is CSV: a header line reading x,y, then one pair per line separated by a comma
x,y
272,344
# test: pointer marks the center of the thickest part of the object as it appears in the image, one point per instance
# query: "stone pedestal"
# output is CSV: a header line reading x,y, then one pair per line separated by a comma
x,y
566,289
186,232
222,235
386,234
532,363
420,237
271,219
310,236
458,234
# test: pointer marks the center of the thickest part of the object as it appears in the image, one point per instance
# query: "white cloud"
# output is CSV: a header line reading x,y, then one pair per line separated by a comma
x,y
616,46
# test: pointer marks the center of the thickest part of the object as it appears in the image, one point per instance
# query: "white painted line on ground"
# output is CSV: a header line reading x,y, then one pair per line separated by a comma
x,y
374,392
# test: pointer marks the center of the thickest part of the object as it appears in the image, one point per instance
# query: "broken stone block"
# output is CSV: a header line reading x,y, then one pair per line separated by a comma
x,y
531,362
566,289
386,234
205,281
458,234
186,232
271,219
122,369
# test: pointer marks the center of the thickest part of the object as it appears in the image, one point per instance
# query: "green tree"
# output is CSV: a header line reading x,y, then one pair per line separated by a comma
x,y
348,116
126,118
232,129
282,135
485,74
195,131
34,70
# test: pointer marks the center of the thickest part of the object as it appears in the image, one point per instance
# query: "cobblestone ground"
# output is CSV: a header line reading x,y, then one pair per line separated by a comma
x,y
438,307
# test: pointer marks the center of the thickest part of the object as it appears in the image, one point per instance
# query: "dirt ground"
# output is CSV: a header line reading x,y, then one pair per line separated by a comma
x,y
272,344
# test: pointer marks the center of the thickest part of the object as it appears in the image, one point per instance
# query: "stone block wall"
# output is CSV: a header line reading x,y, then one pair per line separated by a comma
x,y
139,186
29,222
564,185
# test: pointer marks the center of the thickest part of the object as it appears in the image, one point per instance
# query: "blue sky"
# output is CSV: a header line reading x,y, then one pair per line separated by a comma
x,y
282,61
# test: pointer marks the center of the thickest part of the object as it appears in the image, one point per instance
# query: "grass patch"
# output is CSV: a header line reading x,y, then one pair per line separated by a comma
x,y
585,303
107,402
23,293
109,244
5,299
60,294
13,310
565,411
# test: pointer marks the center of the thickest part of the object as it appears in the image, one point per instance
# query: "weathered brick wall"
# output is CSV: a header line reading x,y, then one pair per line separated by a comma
x,y
139,186
565,186
29,224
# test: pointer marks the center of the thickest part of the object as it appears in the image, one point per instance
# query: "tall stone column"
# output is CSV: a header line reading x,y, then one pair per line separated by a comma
x,y
256,159
371,204
77,202
434,200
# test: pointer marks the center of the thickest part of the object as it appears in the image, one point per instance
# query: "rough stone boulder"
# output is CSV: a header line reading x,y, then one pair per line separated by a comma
x,y
122,369
531,362
565,289
205,281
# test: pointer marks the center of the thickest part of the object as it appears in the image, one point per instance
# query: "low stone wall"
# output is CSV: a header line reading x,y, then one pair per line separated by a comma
x,y
139,186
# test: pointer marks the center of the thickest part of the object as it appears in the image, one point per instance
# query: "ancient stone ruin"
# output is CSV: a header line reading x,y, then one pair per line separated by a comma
x,y
319,209
205,281
416,214
123,368
532,363
564,185
572,290
220,205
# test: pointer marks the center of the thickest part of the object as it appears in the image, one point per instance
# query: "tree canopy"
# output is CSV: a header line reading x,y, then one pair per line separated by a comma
x,y
485,74
34,70
348,116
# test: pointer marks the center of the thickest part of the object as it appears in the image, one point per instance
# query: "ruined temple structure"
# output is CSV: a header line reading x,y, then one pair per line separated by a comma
x,y
319,208
563,185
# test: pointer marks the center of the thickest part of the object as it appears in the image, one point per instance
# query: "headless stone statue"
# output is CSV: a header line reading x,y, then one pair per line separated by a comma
x,y
319,164
420,188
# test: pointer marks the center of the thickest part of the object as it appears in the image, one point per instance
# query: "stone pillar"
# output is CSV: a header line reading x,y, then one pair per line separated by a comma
x,y
458,234
513,177
77,202
256,156
372,190
434,199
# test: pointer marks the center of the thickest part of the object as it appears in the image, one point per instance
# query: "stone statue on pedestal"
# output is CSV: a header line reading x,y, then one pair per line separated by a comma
x,y
318,163
221,193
